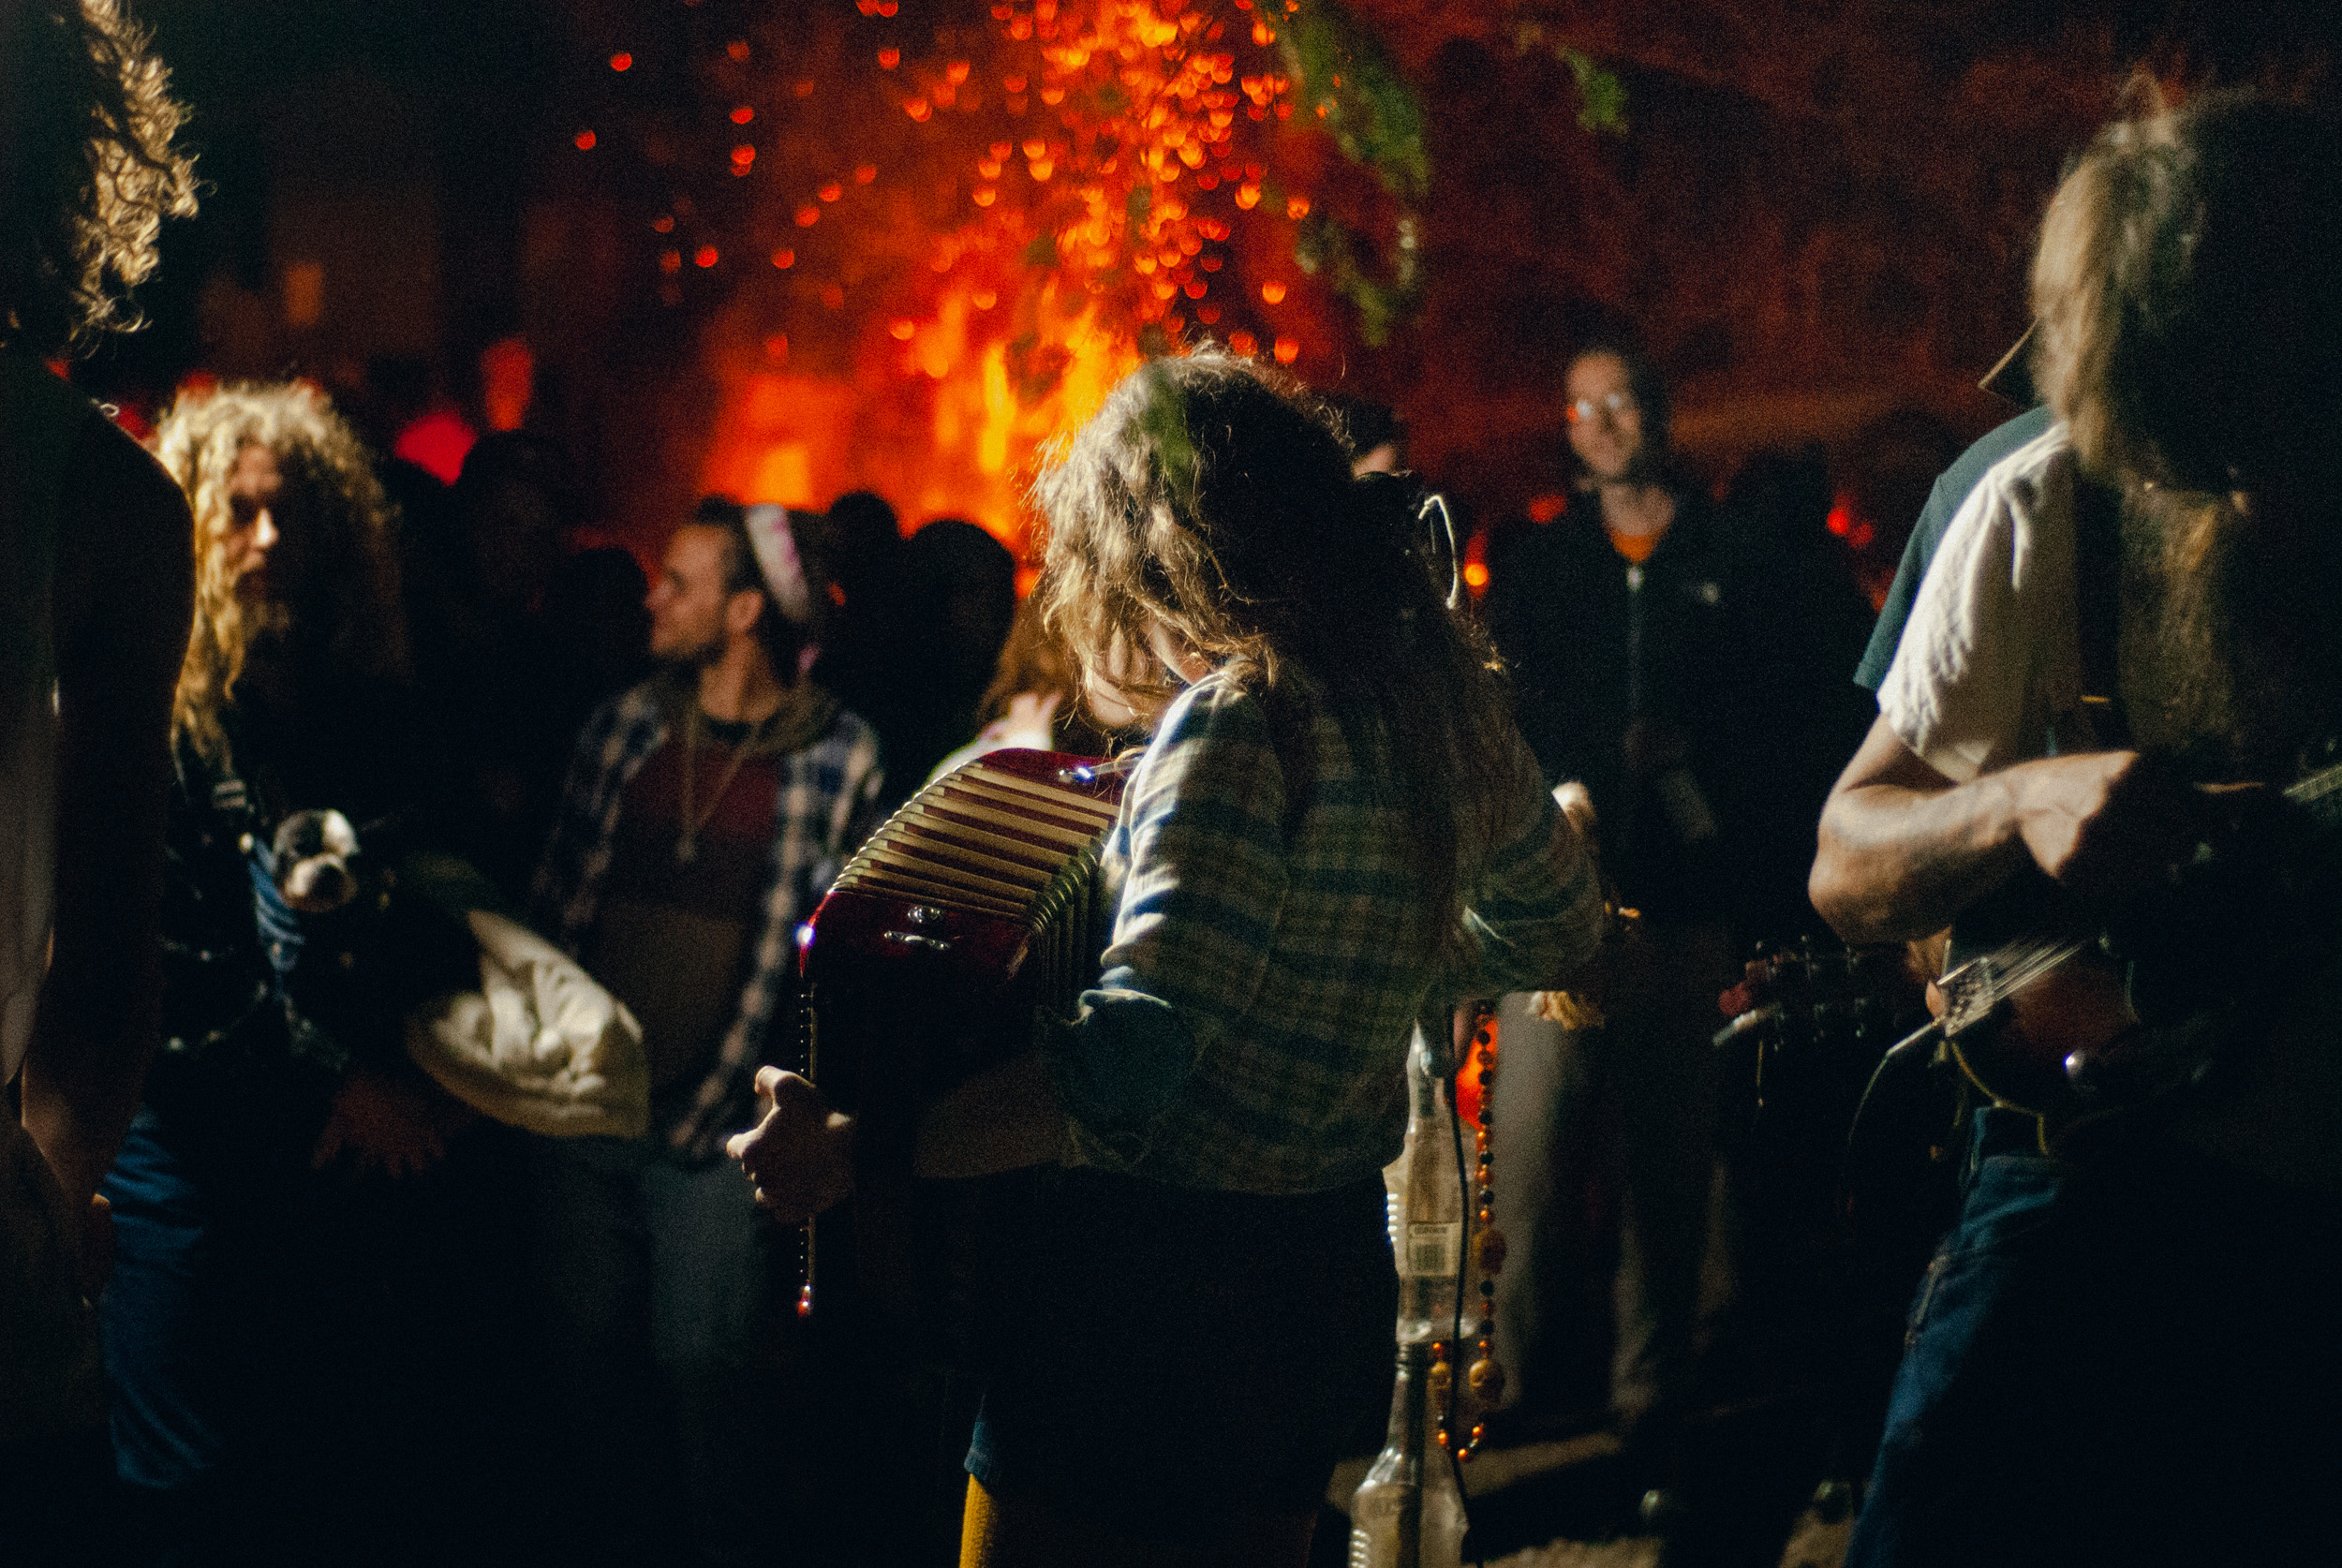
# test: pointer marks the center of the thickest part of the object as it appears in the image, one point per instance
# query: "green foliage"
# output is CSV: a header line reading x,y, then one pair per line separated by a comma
x,y
1165,422
1343,80
1601,95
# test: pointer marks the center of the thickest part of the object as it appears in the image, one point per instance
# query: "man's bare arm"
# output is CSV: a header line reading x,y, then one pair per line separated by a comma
x,y
1903,848
124,598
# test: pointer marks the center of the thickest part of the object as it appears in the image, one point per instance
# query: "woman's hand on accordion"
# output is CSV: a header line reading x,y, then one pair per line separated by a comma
x,y
800,1153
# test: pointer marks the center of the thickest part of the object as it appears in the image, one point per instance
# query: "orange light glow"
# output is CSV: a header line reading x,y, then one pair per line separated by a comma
x,y
585,139
1475,576
742,114
704,256
738,50
777,347
664,224
508,382
1034,301
621,61
670,260
1543,509
743,154
784,258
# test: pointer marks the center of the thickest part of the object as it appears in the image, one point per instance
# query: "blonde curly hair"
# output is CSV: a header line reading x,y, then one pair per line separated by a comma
x,y
1211,498
343,605
87,170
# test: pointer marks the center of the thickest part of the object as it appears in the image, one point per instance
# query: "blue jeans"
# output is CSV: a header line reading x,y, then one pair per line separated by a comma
x,y
654,1276
2123,1354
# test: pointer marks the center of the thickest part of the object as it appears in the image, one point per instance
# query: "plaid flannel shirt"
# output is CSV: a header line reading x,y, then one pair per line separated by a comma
x,y
829,794
1260,986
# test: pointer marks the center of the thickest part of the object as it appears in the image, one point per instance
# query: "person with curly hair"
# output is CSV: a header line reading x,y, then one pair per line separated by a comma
x,y
1335,835
242,1261
94,591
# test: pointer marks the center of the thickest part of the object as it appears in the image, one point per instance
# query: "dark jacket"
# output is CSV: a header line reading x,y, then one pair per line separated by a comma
x,y
1598,648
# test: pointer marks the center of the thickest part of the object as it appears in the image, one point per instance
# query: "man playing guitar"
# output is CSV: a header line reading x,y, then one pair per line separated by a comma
x,y
2121,1354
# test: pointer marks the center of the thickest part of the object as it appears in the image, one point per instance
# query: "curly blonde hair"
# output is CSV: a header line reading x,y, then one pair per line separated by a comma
x,y
343,604
87,170
1212,498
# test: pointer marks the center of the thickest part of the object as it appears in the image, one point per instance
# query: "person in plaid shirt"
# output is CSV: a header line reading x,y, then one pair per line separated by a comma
x,y
1337,832
705,812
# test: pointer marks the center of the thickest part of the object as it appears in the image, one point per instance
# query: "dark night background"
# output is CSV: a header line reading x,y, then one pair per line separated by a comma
x,y
1818,216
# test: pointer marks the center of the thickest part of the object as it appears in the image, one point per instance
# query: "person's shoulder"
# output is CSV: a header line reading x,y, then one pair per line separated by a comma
x,y
113,480
850,733
2023,488
1989,448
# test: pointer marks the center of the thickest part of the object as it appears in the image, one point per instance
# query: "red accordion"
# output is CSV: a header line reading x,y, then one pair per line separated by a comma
x,y
970,921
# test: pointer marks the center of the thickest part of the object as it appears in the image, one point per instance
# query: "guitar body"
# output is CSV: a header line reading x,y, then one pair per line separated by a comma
x,y
2055,1009
2021,1037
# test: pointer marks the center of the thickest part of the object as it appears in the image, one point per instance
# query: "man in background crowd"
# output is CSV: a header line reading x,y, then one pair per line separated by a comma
x,y
1614,622
705,812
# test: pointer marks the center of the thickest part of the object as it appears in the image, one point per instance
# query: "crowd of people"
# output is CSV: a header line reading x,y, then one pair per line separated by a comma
x,y
289,762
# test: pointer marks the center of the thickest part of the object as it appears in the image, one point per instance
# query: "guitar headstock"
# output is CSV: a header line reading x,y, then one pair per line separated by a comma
x,y
1813,993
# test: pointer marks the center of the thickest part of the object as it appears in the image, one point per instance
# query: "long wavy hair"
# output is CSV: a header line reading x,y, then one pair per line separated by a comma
x,y
87,170
340,608
2189,289
1212,497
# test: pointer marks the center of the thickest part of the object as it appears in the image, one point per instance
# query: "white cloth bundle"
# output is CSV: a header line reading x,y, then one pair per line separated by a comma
x,y
539,1044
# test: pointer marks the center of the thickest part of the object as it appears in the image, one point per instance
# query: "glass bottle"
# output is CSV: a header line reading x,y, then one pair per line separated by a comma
x,y
1409,1513
1425,1185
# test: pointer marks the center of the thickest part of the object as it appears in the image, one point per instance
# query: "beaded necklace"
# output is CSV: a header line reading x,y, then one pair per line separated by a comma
x,y
1484,1377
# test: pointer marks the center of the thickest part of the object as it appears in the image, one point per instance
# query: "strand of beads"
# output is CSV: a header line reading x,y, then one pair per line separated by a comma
x,y
1484,1377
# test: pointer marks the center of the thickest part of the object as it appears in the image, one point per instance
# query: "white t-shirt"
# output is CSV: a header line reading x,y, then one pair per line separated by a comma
x,y
1989,671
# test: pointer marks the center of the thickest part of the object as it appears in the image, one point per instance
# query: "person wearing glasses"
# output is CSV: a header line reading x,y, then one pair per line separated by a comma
x,y
1613,618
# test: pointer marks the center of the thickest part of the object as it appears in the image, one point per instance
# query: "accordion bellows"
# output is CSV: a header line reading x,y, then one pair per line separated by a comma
x,y
973,906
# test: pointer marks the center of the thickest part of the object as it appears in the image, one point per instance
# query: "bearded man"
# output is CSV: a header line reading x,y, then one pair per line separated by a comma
x,y
706,812
2122,1354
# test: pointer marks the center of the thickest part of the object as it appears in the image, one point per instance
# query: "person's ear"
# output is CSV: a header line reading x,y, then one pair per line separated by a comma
x,y
741,609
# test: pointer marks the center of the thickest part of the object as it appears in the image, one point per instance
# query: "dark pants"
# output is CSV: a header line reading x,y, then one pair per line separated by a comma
x,y
1185,1357
2125,1356
1629,1108
308,1366
655,1280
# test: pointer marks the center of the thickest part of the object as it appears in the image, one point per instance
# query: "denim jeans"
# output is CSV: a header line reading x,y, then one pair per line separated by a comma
x,y
654,1276
2121,1355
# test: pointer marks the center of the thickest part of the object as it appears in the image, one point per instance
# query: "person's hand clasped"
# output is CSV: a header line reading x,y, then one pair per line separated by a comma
x,y
800,1154
386,1124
